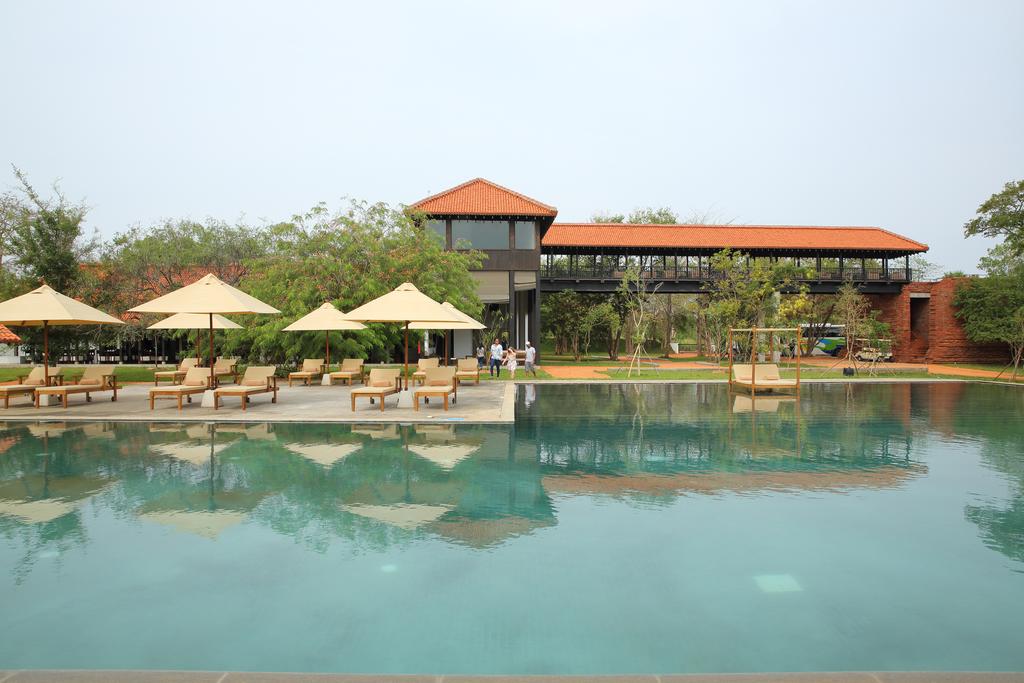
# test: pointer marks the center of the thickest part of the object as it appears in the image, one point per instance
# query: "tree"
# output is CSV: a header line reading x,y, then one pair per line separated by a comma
x,y
1001,260
662,308
744,292
860,322
347,258
566,314
11,210
48,237
1001,215
923,269
991,310
608,218
143,263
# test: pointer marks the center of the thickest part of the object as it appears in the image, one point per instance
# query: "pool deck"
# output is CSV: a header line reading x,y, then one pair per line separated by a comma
x,y
488,402
75,676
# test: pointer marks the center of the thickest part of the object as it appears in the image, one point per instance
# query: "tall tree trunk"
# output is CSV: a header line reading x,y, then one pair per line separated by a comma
x,y
668,326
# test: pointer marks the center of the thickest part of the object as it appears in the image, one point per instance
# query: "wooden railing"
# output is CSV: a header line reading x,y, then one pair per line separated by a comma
x,y
591,271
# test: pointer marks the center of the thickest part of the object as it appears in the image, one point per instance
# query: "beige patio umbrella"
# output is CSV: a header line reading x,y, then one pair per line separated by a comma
x,y
44,307
194,321
209,295
465,323
405,304
324,319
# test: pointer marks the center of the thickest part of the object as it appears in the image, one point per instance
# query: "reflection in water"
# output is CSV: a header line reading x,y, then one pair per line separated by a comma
x,y
480,486
611,528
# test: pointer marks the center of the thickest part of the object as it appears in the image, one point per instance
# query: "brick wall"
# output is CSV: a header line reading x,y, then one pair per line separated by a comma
x,y
945,341
948,342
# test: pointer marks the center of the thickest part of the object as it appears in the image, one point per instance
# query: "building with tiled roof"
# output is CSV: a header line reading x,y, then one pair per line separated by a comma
x,y
8,337
480,197
528,253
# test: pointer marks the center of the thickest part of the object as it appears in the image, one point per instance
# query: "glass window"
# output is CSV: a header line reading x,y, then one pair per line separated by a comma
x,y
438,226
480,234
525,238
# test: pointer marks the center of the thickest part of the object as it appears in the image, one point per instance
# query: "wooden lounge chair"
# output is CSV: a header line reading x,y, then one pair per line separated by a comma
x,y
27,385
196,381
762,376
176,376
382,382
438,382
226,367
422,365
468,369
311,367
351,370
258,379
95,379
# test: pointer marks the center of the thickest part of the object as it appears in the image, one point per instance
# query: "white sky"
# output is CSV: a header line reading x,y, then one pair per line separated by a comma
x,y
904,115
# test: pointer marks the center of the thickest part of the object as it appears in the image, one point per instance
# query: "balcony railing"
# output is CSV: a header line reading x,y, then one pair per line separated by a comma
x,y
597,271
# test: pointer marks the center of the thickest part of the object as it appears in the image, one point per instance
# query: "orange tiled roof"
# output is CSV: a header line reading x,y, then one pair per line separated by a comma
x,y
8,337
731,236
482,197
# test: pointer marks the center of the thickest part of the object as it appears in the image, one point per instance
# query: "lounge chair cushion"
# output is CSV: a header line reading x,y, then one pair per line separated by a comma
x,y
374,390
438,378
14,388
311,365
435,388
243,389
382,383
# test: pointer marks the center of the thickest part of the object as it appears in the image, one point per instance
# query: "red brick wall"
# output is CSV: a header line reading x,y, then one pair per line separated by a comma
x,y
946,341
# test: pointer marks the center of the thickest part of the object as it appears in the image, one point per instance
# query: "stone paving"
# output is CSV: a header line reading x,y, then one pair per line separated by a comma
x,y
487,402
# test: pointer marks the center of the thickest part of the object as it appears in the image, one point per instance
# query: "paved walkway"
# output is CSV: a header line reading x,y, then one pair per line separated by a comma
x,y
487,402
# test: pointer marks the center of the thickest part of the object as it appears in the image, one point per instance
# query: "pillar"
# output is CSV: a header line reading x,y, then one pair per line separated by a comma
x,y
512,313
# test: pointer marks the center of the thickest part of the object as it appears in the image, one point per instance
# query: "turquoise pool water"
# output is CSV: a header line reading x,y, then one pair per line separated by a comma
x,y
611,529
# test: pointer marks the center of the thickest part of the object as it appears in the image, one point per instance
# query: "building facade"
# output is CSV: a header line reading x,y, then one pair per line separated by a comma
x,y
529,254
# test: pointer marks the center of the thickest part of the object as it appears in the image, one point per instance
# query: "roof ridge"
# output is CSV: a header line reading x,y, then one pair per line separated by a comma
x,y
752,226
493,184
727,225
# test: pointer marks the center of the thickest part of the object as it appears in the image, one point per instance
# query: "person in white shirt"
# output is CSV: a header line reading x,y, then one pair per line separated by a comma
x,y
531,359
497,356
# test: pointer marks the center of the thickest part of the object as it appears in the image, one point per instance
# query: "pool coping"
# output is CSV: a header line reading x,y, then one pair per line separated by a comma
x,y
155,676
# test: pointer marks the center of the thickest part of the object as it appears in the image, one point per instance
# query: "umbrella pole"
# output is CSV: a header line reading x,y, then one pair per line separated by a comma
x,y
213,377
46,353
446,348
406,355
327,336
199,351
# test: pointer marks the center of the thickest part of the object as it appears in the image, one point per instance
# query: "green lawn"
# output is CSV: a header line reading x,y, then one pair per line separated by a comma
x,y
124,373
135,373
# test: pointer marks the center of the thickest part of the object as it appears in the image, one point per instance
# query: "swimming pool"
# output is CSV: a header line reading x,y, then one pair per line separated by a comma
x,y
613,528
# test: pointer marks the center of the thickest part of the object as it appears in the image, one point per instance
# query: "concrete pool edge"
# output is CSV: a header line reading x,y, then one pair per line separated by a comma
x,y
143,676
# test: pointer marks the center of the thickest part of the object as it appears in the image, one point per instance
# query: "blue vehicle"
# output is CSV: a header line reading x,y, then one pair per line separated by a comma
x,y
832,340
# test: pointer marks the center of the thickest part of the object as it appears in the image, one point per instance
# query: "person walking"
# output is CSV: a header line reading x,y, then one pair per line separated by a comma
x,y
531,359
511,361
497,355
481,353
